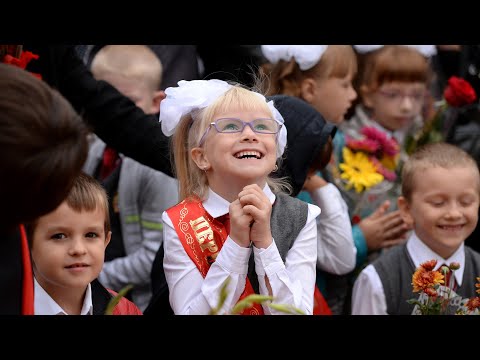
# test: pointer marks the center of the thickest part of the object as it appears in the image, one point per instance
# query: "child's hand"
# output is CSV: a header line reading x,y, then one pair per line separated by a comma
x,y
383,229
239,224
257,205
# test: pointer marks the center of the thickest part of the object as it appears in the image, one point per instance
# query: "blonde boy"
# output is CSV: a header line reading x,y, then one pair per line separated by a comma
x,y
440,200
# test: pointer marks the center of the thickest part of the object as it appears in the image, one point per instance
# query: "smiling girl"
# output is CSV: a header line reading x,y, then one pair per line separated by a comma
x,y
234,222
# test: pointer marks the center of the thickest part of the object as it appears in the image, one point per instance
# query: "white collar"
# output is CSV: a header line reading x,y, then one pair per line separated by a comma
x,y
419,252
217,206
45,305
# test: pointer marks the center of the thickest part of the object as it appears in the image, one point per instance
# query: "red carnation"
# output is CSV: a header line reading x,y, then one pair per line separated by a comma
x,y
459,92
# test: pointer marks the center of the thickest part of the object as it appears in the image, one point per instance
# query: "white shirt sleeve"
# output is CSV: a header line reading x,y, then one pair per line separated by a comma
x,y
190,293
368,296
336,251
292,282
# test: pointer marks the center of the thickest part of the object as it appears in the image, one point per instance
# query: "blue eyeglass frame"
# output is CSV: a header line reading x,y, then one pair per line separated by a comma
x,y
244,123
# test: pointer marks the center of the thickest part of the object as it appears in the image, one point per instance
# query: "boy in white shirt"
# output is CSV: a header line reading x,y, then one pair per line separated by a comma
x,y
68,249
440,200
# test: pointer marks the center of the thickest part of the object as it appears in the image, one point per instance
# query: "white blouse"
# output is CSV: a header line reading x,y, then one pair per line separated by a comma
x,y
336,251
292,282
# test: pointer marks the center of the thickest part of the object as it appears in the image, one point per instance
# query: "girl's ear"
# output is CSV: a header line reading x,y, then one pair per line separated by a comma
x,y
405,211
366,96
308,89
200,159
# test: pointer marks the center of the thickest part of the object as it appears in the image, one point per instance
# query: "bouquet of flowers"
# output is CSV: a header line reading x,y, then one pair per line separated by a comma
x,y
367,171
458,95
437,297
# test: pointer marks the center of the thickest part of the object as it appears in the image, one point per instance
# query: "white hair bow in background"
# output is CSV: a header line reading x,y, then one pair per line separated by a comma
x,y
306,56
425,50
363,49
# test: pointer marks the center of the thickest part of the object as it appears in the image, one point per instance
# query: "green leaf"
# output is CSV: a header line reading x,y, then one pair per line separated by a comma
x,y
288,309
249,301
114,301
222,297
414,302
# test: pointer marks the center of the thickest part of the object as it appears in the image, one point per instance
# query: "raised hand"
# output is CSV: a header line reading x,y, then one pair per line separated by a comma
x,y
383,229
256,205
239,224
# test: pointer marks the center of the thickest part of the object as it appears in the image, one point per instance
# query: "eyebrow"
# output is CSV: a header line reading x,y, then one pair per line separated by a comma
x,y
62,228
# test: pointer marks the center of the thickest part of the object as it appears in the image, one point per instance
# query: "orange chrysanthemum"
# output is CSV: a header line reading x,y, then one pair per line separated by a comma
x,y
473,303
423,279
429,265
431,292
440,300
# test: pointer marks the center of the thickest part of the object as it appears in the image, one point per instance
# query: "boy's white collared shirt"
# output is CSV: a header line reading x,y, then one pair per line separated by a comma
x,y
45,305
368,294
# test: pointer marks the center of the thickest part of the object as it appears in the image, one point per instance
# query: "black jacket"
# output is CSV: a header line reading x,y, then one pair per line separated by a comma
x,y
112,116
307,133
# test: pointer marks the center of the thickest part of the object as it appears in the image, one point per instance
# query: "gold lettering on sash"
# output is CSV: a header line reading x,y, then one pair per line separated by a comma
x,y
206,232
205,237
212,247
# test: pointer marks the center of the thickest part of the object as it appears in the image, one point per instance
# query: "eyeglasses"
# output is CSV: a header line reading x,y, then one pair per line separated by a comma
x,y
398,96
232,125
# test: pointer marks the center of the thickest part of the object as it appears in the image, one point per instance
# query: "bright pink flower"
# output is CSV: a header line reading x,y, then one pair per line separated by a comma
x,y
388,146
367,145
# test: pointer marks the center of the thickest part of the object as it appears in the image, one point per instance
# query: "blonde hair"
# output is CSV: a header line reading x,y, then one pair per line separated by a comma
x,y
391,63
434,155
192,181
137,62
285,77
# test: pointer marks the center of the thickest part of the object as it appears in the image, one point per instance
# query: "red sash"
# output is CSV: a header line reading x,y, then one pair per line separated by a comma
x,y
320,306
202,238
27,286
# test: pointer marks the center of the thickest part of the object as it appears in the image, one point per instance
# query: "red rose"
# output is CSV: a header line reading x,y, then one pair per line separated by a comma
x,y
459,92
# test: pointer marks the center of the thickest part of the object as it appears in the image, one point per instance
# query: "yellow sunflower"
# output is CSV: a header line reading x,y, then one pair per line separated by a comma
x,y
358,171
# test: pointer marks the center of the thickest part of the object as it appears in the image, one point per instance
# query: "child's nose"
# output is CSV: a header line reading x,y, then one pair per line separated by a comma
x,y
248,133
77,246
407,102
454,211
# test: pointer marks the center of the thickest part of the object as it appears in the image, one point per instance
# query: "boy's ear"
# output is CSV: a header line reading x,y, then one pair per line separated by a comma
x,y
158,96
199,158
108,238
308,88
405,211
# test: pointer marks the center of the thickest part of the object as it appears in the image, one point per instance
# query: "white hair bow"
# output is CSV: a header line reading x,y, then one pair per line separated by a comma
x,y
306,56
198,94
425,50
363,49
